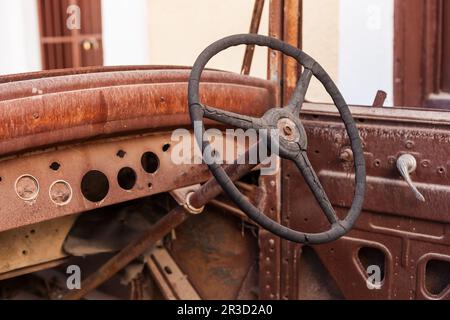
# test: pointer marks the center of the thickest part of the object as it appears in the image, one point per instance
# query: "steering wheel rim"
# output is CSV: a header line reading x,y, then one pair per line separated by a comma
x,y
311,68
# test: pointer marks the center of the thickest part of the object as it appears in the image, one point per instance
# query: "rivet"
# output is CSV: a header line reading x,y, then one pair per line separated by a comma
x,y
392,159
425,163
441,171
409,144
377,163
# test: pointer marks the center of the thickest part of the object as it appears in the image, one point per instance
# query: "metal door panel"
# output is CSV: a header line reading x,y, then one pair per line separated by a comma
x,y
394,224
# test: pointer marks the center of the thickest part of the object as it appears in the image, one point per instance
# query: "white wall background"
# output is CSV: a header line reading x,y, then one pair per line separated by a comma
x,y
366,34
181,29
19,37
125,32
353,41
321,41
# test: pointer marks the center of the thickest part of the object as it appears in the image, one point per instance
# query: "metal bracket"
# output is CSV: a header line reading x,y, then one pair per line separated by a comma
x,y
182,197
169,277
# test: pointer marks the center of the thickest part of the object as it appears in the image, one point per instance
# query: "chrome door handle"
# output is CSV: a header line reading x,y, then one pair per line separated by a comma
x,y
407,164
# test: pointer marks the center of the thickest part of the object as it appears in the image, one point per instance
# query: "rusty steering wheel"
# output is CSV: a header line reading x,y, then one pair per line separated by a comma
x,y
291,134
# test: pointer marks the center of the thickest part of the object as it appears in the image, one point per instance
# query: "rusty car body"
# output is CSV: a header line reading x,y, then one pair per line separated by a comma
x,y
86,178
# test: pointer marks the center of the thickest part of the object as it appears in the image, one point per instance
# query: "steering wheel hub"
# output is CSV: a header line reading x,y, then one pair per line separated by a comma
x,y
288,130
290,133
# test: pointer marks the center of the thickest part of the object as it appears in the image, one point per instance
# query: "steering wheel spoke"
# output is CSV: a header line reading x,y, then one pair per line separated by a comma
x,y
298,96
231,118
312,180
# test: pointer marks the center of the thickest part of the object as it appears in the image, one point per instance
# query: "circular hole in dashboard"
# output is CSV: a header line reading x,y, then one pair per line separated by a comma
x,y
121,153
94,186
150,162
55,166
166,147
126,178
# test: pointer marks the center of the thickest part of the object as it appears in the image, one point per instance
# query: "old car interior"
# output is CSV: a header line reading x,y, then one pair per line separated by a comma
x,y
87,179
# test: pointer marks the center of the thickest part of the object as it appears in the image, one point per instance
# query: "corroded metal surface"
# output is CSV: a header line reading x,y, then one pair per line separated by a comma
x,y
162,227
270,253
395,231
84,70
171,280
60,109
74,163
55,110
270,246
33,244
216,253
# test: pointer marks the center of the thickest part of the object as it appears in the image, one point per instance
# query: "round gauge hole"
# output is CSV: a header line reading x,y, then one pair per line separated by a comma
x,y
27,187
150,162
94,186
126,178
60,192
